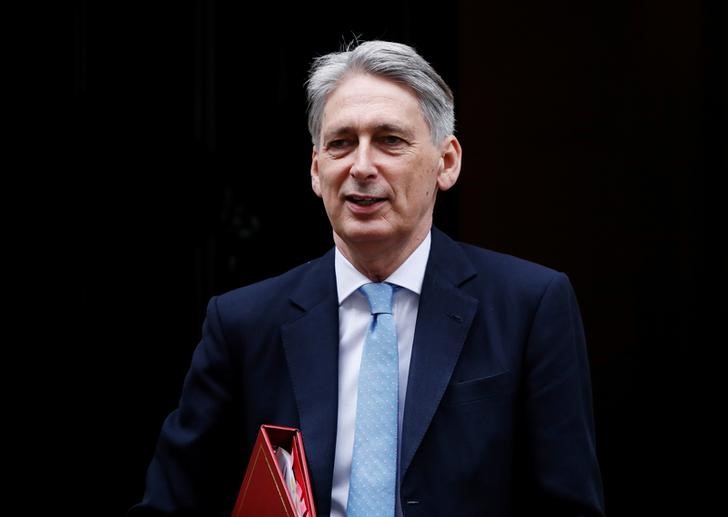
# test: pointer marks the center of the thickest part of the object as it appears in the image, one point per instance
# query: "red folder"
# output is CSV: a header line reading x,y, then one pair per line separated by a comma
x,y
264,492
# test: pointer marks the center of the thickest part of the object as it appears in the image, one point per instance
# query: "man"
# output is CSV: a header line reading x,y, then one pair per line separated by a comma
x,y
493,406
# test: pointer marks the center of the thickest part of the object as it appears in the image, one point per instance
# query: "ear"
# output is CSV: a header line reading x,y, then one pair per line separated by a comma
x,y
315,185
451,157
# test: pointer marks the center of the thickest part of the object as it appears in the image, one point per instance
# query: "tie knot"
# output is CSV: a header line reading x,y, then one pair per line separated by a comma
x,y
379,297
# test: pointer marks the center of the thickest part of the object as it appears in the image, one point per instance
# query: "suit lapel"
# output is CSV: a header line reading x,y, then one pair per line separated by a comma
x,y
443,320
311,344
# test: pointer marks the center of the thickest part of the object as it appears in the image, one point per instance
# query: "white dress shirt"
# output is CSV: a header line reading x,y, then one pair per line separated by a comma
x,y
354,319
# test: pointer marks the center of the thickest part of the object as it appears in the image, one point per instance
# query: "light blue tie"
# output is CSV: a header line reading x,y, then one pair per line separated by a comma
x,y
374,461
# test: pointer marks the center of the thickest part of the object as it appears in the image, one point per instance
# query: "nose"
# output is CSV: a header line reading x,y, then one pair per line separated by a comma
x,y
363,166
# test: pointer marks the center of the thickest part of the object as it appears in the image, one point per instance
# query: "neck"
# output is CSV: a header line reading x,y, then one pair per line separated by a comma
x,y
378,260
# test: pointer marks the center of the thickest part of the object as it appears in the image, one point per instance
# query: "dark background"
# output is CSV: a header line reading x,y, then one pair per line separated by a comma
x,y
594,142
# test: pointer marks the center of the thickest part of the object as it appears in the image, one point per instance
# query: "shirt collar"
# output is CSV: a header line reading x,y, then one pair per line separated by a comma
x,y
409,275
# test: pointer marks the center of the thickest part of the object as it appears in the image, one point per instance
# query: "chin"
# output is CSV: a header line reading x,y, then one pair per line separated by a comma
x,y
363,233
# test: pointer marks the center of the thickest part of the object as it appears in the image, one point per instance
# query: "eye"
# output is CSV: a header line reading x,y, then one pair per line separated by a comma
x,y
391,140
340,143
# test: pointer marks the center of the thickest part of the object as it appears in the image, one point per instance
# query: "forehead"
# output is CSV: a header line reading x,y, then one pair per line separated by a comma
x,y
362,100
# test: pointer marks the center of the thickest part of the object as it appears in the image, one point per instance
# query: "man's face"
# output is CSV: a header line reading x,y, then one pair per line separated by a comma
x,y
376,169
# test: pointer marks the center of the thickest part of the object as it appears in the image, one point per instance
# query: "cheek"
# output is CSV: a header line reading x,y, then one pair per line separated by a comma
x,y
423,187
329,190
424,182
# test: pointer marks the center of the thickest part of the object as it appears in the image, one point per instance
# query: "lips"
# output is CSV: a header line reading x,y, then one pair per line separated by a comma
x,y
364,200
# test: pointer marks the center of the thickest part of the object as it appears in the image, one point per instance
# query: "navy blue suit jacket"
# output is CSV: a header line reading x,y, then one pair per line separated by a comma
x,y
498,416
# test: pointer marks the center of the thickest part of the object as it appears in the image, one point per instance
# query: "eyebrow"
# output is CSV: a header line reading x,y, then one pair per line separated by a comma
x,y
379,128
393,128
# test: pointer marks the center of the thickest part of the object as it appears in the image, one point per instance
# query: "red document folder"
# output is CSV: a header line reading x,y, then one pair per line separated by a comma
x,y
263,492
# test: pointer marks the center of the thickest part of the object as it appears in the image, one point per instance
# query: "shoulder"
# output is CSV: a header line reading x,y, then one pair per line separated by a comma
x,y
273,294
516,289
514,278
492,266
502,265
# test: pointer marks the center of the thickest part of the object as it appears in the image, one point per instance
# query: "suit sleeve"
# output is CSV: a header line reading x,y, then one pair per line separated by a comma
x,y
559,425
194,470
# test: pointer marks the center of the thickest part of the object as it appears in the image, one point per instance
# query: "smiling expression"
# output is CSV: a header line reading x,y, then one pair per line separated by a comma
x,y
377,169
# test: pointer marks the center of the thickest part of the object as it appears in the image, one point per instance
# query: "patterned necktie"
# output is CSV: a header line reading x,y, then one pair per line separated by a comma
x,y
374,461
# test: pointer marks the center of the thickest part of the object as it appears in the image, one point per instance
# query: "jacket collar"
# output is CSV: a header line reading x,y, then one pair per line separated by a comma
x,y
311,343
443,321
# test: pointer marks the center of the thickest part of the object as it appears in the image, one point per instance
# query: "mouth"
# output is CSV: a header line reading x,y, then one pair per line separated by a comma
x,y
364,200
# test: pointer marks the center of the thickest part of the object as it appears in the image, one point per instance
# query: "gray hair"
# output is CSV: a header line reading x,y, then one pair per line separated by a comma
x,y
393,61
